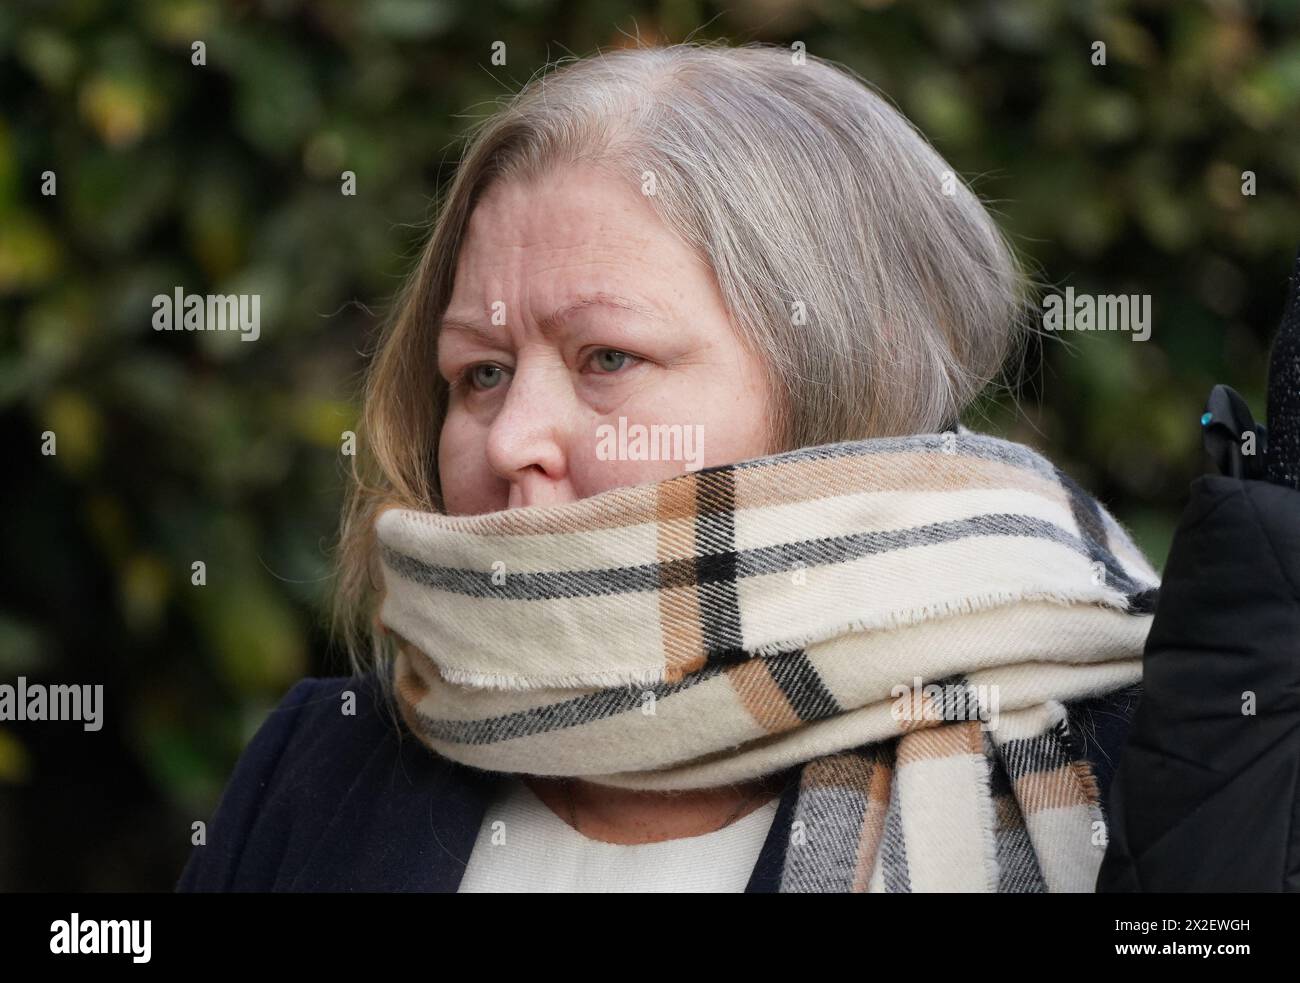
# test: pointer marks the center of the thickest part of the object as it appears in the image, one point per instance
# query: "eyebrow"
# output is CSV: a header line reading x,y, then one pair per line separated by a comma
x,y
556,318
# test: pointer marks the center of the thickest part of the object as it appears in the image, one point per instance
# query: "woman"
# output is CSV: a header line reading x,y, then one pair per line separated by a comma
x,y
669,566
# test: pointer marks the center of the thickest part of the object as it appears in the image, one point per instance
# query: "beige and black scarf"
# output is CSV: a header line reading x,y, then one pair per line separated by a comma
x,y
901,618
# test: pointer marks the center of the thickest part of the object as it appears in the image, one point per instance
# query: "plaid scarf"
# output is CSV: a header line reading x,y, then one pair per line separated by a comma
x,y
902,618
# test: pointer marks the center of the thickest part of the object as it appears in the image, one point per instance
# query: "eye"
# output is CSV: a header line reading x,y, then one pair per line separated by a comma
x,y
611,359
484,375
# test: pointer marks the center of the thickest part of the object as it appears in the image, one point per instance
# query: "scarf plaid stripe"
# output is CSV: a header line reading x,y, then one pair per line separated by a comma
x,y
739,620
952,808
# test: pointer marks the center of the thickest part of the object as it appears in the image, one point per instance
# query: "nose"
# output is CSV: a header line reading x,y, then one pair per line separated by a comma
x,y
527,441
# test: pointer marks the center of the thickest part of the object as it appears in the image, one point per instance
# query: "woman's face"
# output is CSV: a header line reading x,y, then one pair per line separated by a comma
x,y
582,341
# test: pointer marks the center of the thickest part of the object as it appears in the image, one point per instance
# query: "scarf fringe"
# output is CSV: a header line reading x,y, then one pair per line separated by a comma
x,y
893,621
988,814
630,679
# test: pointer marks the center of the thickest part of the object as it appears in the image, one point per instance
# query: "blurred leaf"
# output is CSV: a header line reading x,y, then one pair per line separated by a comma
x,y
181,21
255,637
15,763
941,106
49,56
277,98
77,427
120,109
29,255
322,421
23,647
115,197
146,586
1113,116
407,19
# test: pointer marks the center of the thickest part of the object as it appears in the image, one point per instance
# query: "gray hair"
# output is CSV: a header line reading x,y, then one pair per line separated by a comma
x,y
866,274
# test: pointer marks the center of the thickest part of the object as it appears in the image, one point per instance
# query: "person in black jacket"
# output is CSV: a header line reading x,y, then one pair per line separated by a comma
x,y
1207,796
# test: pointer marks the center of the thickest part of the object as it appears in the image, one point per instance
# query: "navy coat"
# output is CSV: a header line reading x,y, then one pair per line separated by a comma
x,y
320,801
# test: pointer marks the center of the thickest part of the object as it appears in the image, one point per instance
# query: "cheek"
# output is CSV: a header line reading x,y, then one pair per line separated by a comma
x,y
590,476
738,414
590,473
730,422
737,434
728,402
463,472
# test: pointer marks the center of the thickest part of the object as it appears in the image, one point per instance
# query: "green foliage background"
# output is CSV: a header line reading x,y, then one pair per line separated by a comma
x,y
224,178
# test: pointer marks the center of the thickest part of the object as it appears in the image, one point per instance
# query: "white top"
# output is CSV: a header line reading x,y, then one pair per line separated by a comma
x,y
537,851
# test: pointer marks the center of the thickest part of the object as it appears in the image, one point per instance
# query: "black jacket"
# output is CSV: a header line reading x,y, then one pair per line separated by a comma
x,y
1207,795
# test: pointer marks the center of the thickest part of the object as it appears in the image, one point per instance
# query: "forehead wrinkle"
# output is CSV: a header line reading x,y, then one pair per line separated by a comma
x,y
554,322
482,334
